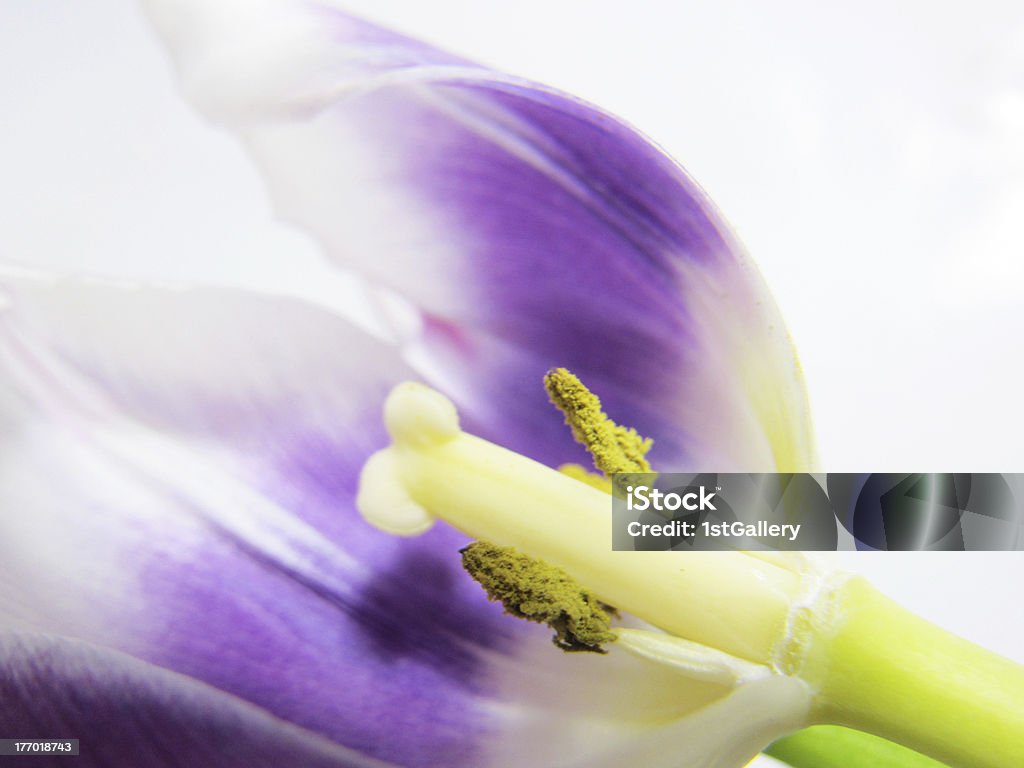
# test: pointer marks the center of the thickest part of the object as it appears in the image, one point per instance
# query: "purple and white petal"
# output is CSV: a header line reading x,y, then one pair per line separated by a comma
x,y
176,479
530,229
177,472
127,713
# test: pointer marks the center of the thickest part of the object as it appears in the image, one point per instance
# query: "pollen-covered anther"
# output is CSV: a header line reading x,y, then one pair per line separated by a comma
x,y
536,591
614,448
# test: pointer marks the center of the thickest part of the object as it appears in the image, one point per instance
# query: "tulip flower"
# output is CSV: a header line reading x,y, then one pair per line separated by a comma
x,y
184,578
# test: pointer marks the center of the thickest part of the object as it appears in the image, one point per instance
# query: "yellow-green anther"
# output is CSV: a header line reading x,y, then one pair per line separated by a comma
x,y
615,449
533,590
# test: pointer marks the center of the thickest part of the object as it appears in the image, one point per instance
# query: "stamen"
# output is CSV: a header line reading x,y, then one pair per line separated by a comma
x,y
725,600
615,449
533,590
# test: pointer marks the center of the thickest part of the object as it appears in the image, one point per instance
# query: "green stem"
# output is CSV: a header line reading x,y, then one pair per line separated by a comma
x,y
881,669
831,746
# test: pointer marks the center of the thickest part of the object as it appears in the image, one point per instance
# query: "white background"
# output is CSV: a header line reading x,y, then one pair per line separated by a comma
x,y
870,155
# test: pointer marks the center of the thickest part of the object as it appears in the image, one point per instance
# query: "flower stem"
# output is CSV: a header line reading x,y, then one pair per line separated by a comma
x,y
831,746
881,669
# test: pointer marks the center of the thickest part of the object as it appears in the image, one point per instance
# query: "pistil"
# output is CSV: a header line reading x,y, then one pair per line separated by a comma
x,y
726,600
